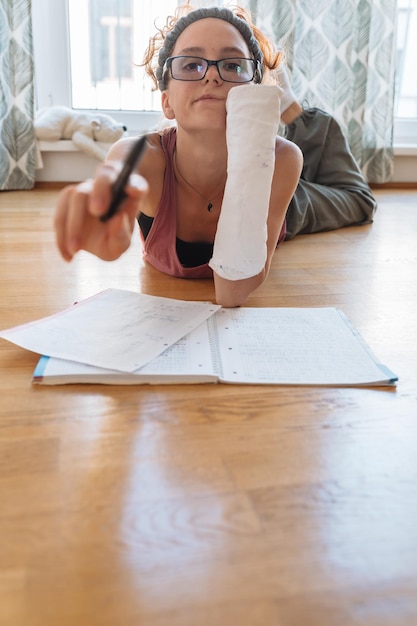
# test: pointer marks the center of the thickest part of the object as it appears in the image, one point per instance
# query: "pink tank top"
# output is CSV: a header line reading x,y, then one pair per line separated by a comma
x,y
159,247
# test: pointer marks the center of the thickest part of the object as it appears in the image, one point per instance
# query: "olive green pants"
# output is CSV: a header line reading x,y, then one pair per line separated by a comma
x,y
332,191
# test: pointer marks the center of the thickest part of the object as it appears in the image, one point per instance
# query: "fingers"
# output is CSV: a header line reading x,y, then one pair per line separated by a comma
x,y
77,223
78,218
102,188
102,191
69,200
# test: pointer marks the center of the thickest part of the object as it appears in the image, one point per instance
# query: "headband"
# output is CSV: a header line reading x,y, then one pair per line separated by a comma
x,y
198,14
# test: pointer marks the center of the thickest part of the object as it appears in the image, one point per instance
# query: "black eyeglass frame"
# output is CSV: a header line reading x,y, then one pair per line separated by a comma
x,y
255,66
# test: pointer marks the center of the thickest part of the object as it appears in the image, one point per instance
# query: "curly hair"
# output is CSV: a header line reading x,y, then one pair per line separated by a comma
x,y
271,58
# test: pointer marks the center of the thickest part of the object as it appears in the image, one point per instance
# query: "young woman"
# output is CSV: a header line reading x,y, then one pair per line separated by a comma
x,y
177,192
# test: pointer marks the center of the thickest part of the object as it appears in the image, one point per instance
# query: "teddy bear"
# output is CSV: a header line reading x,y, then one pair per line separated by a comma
x,y
88,131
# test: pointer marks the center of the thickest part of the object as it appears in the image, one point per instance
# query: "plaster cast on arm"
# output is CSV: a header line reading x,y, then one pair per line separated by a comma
x,y
251,127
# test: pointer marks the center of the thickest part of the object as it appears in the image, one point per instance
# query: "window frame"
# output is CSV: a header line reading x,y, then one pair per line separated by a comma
x,y
405,133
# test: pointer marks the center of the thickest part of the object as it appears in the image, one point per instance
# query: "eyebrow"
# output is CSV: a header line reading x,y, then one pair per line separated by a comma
x,y
197,50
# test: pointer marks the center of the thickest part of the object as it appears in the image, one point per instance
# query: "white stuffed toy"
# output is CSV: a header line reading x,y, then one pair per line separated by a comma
x,y
88,131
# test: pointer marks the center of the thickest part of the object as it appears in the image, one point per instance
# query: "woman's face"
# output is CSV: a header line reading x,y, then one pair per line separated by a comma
x,y
201,104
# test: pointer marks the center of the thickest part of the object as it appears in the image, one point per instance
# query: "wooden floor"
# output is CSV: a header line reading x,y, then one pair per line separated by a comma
x,y
212,505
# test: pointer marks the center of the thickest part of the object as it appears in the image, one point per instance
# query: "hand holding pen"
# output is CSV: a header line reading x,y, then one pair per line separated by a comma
x,y
84,211
118,189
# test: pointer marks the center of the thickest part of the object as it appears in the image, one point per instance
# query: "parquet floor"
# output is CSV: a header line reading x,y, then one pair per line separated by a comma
x,y
212,505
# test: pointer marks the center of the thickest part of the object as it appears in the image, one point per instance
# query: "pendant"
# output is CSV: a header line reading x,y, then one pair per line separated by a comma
x,y
209,206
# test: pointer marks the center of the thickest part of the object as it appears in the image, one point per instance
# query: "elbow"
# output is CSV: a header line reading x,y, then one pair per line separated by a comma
x,y
234,293
228,301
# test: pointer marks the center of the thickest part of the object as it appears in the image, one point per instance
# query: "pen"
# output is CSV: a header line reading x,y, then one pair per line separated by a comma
x,y
118,189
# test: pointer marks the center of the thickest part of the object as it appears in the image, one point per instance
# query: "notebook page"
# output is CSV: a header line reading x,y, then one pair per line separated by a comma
x,y
308,346
187,358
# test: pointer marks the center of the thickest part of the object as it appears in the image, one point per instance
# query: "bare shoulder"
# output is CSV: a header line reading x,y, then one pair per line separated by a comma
x,y
120,149
153,162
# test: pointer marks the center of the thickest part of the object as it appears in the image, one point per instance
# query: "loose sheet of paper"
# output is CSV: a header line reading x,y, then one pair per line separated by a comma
x,y
115,329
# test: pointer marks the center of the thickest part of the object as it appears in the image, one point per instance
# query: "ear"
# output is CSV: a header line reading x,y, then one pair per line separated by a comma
x,y
166,108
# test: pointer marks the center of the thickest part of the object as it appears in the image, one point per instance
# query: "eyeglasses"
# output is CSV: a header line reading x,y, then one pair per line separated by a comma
x,y
195,68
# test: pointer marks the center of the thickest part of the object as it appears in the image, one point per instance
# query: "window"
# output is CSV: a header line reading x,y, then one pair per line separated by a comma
x,y
90,59
406,81
107,39
406,75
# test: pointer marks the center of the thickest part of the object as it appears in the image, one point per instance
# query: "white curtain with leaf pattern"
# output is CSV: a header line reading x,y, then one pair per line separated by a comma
x,y
17,137
341,55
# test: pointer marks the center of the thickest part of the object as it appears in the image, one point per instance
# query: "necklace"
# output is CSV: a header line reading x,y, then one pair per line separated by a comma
x,y
209,202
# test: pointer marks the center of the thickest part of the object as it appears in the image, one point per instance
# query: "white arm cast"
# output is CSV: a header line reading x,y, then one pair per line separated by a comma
x,y
253,113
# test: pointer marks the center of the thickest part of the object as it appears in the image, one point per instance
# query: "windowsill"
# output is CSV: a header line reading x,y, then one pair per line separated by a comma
x,y
63,162
404,149
66,145
63,145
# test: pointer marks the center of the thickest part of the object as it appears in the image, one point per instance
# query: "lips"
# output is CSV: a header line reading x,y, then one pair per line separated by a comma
x,y
208,98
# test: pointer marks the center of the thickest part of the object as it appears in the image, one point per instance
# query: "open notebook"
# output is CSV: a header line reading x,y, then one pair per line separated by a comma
x,y
273,346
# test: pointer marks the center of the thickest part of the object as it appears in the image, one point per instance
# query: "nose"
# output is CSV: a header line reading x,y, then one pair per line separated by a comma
x,y
213,68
